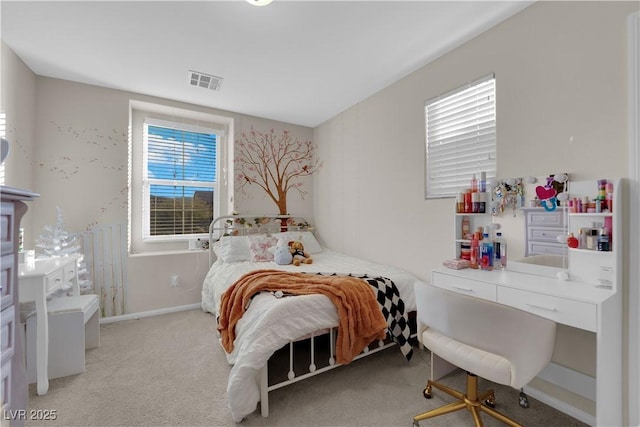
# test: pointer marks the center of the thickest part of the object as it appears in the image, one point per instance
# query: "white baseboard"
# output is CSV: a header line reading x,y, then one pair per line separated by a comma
x,y
149,313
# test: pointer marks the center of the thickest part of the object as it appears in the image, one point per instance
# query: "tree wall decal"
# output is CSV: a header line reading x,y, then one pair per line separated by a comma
x,y
274,162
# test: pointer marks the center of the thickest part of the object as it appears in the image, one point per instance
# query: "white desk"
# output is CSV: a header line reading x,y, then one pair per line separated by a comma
x,y
37,280
580,305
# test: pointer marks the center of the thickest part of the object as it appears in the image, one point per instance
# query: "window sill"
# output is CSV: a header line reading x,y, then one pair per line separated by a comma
x,y
166,253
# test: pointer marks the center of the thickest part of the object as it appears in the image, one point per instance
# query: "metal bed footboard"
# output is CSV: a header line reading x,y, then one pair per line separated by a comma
x,y
313,370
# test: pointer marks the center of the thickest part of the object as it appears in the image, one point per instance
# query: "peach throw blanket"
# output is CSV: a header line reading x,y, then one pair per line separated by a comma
x,y
361,320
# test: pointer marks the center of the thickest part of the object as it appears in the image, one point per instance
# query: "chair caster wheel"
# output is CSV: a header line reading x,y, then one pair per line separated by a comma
x,y
523,400
490,403
427,395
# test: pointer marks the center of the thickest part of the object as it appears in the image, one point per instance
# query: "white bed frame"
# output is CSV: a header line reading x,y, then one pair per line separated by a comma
x,y
252,224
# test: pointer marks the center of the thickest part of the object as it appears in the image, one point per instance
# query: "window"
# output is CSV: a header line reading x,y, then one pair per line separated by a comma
x,y
179,175
460,137
179,180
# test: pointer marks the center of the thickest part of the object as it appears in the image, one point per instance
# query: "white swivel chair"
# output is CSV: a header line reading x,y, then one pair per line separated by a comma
x,y
486,339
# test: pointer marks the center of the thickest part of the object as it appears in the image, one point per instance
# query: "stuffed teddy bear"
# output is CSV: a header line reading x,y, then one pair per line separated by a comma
x,y
282,255
296,248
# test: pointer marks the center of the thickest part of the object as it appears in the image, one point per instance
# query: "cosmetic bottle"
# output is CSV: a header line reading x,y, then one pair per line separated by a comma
x,y
499,252
483,202
468,205
483,182
603,241
486,253
466,230
460,203
474,184
475,251
572,241
609,196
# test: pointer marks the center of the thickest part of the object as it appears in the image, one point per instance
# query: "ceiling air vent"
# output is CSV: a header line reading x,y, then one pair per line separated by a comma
x,y
203,80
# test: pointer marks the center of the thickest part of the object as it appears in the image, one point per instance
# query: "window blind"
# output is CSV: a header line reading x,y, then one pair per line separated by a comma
x,y
460,137
179,180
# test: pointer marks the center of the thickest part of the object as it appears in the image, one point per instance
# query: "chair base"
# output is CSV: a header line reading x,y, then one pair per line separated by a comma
x,y
471,401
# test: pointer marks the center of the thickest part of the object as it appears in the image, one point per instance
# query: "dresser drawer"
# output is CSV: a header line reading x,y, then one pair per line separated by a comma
x,y
543,248
569,312
54,281
545,218
8,327
5,385
465,286
6,227
7,280
545,234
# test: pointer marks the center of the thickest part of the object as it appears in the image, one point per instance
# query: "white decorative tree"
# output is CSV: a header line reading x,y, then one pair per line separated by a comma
x,y
55,241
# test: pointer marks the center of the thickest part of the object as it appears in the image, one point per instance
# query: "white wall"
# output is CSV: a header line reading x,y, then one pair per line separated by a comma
x,y
561,107
72,141
19,105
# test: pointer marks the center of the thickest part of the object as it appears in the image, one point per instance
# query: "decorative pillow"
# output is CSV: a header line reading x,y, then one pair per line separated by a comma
x,y
259,245
307,238
234,249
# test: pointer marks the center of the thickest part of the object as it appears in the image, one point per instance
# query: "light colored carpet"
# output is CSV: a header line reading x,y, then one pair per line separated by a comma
x,y
169,370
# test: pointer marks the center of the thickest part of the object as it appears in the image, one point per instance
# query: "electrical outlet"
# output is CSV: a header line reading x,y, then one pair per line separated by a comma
x,y
174,283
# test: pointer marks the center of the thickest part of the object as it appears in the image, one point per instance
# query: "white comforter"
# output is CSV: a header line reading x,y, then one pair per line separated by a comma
x,y
269,322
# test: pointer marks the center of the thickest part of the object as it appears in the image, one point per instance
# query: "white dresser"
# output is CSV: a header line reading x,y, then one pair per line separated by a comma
x,y
542,229
14,390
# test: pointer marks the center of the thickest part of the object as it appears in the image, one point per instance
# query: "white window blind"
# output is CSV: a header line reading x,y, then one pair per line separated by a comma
x,y
460,137
179,180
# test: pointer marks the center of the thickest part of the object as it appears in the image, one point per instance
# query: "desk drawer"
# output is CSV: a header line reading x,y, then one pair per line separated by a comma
x,y
573,313
465,286
70,271
54,281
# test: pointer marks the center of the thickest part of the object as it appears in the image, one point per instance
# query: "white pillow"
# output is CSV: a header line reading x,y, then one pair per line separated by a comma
x,y
307,238
234,249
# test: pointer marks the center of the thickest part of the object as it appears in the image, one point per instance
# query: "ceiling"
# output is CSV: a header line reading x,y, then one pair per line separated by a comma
x,y
300,62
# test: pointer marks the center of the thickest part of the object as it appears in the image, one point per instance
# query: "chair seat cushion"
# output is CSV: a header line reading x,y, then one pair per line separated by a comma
x,y
479,362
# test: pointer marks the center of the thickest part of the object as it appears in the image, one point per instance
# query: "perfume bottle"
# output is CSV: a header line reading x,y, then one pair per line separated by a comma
x,y
572,241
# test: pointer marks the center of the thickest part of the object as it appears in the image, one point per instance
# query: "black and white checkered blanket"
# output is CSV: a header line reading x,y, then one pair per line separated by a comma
x,y
392,307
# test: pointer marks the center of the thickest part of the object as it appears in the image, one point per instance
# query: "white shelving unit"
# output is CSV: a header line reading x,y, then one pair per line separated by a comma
x,y
589,299
475,220
600,268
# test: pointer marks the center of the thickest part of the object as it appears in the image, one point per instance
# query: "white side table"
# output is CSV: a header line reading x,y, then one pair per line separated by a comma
x,y
37,280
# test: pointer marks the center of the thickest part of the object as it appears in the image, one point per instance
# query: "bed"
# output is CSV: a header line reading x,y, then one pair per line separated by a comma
x,y
279,339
